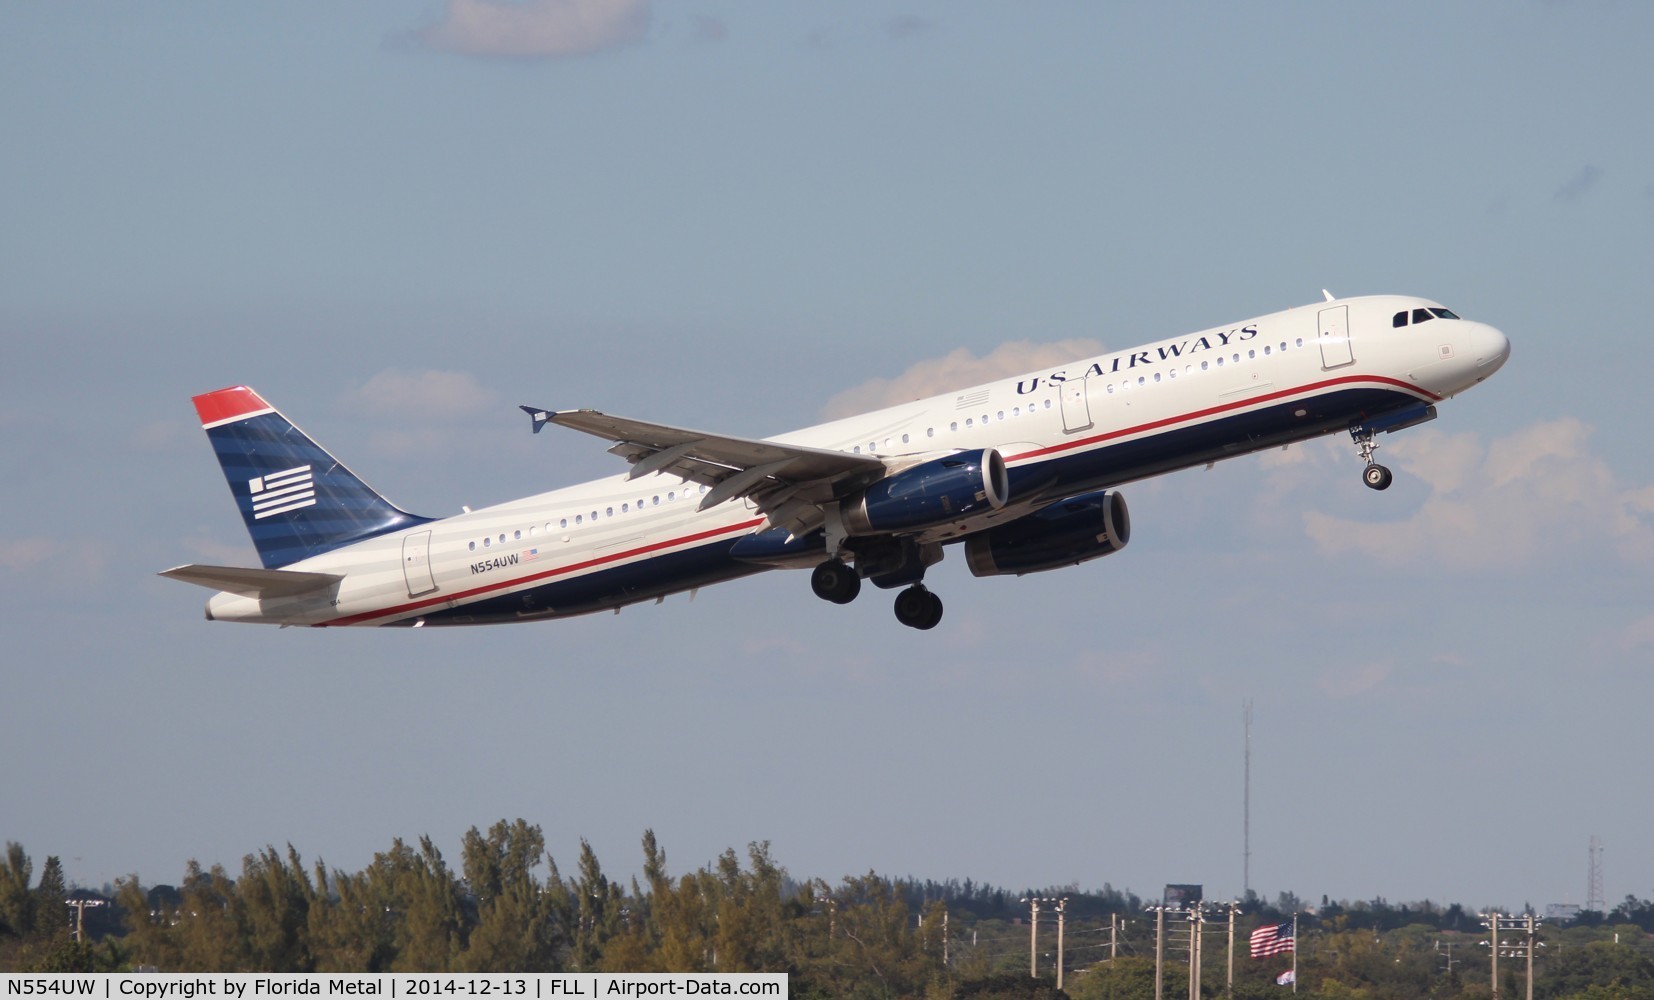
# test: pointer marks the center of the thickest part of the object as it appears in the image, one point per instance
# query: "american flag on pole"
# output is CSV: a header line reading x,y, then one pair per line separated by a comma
x,y
1272,939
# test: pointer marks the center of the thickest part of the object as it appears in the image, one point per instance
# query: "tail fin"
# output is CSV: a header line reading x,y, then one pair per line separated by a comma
x,y
298,501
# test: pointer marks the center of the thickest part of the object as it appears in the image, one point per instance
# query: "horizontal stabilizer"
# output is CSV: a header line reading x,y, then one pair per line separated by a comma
x,y
249,582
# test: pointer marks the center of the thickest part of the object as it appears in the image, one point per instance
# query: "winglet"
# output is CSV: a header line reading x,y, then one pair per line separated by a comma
x,y
538,416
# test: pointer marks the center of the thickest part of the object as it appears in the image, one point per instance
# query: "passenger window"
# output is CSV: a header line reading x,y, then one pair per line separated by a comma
x,y
486,542
608,512
953,426
517,535
564,523
473,546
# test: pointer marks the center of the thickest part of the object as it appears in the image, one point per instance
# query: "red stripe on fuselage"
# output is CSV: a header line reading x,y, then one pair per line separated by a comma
x,y
613,557
1239,404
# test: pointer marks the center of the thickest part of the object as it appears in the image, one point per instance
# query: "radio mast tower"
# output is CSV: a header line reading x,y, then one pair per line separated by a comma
x,y
1246,812
1593,891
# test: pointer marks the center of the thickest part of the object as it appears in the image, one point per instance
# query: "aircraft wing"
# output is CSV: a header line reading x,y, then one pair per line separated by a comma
x,y
786,481
249,582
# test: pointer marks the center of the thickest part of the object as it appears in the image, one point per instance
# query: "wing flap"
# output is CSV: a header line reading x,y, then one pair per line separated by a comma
x,y
249,582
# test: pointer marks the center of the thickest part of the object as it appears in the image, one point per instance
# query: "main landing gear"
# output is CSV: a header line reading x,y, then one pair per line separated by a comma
x,y
1376,476
916,607
836,582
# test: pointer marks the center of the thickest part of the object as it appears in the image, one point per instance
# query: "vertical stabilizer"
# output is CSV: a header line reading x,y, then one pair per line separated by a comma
x,y
298,500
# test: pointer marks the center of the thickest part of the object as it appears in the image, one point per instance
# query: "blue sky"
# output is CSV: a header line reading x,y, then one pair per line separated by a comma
x,y
399,221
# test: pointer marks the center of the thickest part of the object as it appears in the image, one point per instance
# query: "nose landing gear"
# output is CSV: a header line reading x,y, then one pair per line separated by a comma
x,y
1376,476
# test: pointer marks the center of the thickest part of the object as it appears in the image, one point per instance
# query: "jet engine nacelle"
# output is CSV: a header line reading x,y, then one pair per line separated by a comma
x,y
934,492
1067,533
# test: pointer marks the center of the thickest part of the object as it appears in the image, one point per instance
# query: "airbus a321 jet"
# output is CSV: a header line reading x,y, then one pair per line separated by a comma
x,y
1022,474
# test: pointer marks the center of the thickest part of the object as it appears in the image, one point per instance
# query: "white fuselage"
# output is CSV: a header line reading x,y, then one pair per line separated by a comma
x,y
1092,424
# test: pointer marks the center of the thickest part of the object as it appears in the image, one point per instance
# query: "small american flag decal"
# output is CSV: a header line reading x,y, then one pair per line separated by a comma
x,y
280,492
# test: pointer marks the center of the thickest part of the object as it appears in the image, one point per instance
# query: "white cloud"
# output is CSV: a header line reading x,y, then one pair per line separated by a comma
x,y
956,370
423,395
1537,491
1346,680
531,29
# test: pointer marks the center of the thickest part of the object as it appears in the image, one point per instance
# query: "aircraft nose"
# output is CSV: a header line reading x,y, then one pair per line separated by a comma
x,y
1490,347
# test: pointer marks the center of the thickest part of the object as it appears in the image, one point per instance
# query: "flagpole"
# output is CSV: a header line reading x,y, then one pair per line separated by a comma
x,y
1294,951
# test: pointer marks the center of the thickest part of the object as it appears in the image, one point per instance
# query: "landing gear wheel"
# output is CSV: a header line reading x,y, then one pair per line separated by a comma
x,y
836,582
1377,477
918,608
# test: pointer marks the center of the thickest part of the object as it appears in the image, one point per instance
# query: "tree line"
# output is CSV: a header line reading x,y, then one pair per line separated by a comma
x,y
508,907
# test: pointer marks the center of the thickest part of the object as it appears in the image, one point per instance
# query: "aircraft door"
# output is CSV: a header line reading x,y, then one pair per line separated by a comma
x,y
1335,338
416,563
1076,408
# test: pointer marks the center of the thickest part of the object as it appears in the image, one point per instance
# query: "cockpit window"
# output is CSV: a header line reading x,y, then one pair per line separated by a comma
x,y
1444,313
1422,316
1400,319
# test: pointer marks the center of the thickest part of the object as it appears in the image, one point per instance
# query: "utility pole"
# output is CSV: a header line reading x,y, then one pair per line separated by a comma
x,y
1062,906
1194,951
1033,936
1159,951
1528,924
1229,980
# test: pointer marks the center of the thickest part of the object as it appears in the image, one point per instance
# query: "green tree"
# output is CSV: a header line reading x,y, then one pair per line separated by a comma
x,y
51,916
423,902
17,901
516,929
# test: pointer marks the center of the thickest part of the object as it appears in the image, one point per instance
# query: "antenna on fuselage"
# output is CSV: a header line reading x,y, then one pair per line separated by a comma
x,y
1330,297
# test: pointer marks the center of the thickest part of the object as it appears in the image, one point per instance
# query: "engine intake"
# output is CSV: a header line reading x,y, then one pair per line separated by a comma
x,y
1067,533
935,492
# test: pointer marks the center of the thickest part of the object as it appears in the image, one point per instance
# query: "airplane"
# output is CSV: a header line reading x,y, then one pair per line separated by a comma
x,y
1024,473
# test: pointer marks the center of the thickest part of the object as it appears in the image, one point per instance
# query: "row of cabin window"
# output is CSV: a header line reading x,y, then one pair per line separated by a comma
x,y
1016,411
930,432
1189,369
672,496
